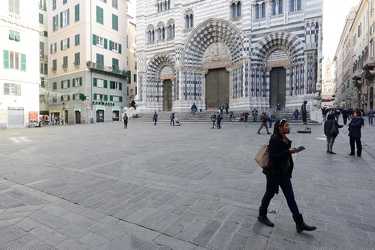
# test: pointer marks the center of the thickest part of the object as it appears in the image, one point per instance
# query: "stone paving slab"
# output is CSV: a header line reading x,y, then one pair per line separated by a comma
x,y
98,186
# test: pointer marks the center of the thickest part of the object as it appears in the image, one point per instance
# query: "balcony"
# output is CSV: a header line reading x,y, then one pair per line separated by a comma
x,y
357,74
369,63
113,71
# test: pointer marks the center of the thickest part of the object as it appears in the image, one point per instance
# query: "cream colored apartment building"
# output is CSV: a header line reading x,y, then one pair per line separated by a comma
x,y
19,67
87,60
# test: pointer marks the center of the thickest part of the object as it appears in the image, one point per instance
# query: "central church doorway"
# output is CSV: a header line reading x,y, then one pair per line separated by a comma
x,y
217,88
167,95
277,87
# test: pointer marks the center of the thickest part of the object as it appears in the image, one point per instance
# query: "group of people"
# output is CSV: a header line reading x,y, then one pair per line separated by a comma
x,y
331,130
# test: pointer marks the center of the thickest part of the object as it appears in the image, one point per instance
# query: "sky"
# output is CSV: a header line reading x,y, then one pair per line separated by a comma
x,y
334,16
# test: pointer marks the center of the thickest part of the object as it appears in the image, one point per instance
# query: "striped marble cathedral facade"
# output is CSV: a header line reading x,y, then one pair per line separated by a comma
x,y
261,52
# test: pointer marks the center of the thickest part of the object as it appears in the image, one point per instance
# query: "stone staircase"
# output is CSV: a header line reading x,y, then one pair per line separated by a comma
x,y
204,116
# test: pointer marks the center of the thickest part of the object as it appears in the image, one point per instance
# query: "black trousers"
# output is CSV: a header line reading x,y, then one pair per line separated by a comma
x,y
359,145
286,186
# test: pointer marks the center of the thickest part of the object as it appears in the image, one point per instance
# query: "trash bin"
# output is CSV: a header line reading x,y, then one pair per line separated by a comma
x,y
91,120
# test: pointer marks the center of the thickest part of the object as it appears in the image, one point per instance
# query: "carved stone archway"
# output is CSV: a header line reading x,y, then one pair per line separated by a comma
x,y
155,76
212,31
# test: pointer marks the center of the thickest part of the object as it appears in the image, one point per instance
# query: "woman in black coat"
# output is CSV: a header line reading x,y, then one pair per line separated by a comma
x,y
279,174
328,124
355,126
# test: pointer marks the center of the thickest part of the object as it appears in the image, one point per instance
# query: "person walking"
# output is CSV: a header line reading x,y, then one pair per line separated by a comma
x,y
219,117
264,118
370,116
279,174
355,126
328,124
126,118
172,119
155,118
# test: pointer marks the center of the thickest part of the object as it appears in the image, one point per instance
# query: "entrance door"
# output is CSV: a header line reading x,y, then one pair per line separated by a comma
x,y
78,117
278,87
217,88
66,117
100,115
167,95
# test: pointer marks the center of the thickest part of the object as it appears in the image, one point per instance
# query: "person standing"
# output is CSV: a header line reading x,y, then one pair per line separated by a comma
x,y
126,118
226,108
155,118
370,116
279,174
328,124
304,112
172,119
272,119
264,118
254,113
246,116
355,126
345,116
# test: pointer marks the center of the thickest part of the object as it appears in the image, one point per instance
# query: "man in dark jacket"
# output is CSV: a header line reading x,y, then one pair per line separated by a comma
x,y
355,126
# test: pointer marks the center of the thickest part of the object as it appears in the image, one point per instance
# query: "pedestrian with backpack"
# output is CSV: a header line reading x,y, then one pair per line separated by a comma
x,y
126,118
213,119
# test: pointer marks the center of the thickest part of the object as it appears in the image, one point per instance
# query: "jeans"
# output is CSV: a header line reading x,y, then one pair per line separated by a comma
x,y
370,119
286,186
359,145
330,141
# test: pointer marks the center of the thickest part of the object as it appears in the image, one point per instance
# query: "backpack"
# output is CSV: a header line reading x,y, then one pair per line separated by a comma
x,y
213,117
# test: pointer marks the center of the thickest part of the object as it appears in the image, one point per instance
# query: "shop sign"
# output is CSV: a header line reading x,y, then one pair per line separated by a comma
x,y
33,116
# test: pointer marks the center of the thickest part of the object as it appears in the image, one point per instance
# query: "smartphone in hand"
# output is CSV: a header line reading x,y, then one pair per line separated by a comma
x,y
300,148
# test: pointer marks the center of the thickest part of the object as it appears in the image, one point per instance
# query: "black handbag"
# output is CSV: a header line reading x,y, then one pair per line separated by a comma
x,y
334,130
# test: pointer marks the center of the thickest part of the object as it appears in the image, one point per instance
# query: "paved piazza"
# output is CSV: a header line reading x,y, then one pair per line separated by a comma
x,y
98,186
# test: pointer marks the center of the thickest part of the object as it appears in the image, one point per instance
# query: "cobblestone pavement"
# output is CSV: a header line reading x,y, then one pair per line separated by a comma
x,y
99,186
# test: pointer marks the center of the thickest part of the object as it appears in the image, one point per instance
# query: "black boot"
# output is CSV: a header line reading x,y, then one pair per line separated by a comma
x,y
300,225
263,217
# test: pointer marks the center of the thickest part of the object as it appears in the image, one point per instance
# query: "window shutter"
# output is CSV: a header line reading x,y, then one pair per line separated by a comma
x,y
111,84
54,85
94,39
6,59
77,13
105,43
67,23
50,48
120,85
74,96
44,4
61,19
23,62
80,81
18,89
119,48
61,45
95,82
62,84
110,45
68,42
62,98
105,84
95,97
68,83
105,97
111,98
120,98
68,97
6,89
